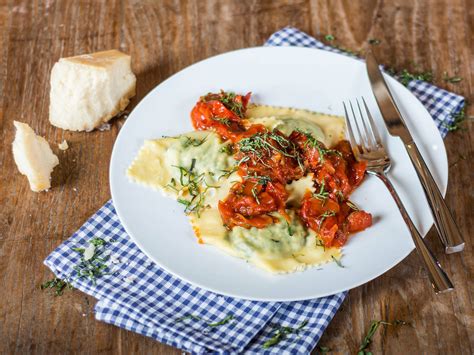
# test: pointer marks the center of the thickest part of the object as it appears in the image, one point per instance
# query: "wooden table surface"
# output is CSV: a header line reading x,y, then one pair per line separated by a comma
x,y
164,37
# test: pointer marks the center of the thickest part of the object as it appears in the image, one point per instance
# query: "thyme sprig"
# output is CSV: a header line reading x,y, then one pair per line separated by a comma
x,y
281,333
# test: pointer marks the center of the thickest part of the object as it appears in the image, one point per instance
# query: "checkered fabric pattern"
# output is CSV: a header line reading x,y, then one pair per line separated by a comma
x,y
441,104
137,295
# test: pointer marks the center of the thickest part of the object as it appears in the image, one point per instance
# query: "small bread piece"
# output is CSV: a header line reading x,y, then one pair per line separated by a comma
x,y
90,89
33,157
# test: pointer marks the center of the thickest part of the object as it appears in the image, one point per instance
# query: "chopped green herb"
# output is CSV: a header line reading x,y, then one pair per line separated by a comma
x,y
337,261
290,230
281,334
261,180
222,322
314,143
255,195
58,285
406,77
223,120
195,142
226,320
458,119
92,266
229,100
261,144
275,241
451,79
325,215
324,349
322,195
374,41
228,172
228,149
374,325
352,206
193,184
329,38
320,243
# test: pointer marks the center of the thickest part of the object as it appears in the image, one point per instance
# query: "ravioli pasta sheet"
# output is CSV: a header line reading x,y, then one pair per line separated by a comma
x,y
168,164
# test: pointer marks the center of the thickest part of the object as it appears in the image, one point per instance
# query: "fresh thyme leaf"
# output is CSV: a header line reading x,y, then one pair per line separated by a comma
x,y
325,215
97,242
320,243
458,119
184,202
260,179
228,172
329,38
222,120
324,349
222,322
290,230
226,320
322,195
374,41
275,241
79,250
193,164
406,77
227,149
451,79
352,205
337,261
374,325
255,195
281,333
195,142
59,285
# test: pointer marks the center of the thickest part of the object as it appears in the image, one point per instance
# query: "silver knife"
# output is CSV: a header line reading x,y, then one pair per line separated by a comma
x,y
447,229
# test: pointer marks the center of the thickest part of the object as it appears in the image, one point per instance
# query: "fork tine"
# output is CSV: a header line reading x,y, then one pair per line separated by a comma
x,y
367,128
352,140
362,144
375,131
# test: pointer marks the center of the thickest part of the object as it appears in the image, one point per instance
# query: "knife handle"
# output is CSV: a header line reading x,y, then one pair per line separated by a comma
x,y
448,231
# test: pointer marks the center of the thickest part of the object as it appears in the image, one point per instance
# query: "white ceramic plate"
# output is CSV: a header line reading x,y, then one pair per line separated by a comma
x,y
283,76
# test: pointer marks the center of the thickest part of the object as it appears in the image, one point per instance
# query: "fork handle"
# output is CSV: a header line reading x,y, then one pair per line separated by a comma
x,y
439,279
448,231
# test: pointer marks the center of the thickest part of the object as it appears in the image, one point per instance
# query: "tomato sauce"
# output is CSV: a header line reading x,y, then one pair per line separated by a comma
x,y
268,160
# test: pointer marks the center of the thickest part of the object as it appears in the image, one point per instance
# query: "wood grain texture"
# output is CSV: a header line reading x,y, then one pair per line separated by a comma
x,y
164,37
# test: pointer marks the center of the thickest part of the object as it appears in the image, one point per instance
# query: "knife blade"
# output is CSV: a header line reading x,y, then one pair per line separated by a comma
x,y
448,231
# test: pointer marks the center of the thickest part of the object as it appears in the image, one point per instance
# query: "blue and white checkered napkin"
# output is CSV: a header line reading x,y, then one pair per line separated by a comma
x,y
137,295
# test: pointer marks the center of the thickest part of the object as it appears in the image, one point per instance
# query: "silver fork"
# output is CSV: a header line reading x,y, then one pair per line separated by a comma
x,y
368,146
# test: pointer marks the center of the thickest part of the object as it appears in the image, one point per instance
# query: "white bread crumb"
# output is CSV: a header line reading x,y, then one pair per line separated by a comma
x,y
90,89
33,157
